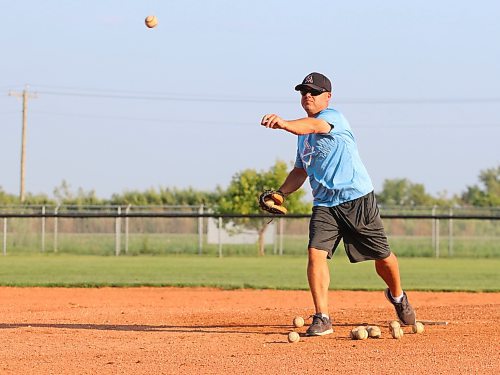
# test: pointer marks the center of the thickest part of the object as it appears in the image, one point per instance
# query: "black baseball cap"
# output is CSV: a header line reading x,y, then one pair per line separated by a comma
x,y
315,81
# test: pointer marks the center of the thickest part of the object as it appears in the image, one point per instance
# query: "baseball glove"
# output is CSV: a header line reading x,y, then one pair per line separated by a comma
x,y
272,201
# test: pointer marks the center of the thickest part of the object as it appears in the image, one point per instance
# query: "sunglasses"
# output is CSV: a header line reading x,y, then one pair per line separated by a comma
x,y
312,92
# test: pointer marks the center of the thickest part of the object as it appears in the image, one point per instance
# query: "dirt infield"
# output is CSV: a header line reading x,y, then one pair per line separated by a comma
x,y
209,331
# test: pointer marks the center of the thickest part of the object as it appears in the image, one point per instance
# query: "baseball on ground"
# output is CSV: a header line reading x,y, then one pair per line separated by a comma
x,y
417,328
359,333
293,337
351,334
394,324
397,333
298,322
374,332
151,21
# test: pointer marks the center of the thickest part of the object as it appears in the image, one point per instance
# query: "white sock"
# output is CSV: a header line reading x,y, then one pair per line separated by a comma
x,y
397,299
325,315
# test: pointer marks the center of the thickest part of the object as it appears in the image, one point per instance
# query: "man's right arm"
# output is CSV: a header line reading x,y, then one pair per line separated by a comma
x,y
306,125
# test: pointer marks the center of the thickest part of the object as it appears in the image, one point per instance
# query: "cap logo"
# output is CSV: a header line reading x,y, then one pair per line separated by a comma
x,y
309,79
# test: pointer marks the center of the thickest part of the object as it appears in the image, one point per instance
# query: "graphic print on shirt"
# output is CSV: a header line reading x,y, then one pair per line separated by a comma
x,y
321,149
307,152
324,146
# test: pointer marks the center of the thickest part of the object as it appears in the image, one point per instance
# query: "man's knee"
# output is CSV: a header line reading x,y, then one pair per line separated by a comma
x,y
316,255
387,260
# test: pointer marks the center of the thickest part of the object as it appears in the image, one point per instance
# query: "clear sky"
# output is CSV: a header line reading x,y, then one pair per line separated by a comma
x,y
122,107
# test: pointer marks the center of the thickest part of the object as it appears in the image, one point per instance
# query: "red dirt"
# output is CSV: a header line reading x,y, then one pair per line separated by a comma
x,y
209,331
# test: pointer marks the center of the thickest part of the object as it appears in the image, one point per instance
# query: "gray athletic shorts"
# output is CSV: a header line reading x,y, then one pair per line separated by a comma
x,y
357,222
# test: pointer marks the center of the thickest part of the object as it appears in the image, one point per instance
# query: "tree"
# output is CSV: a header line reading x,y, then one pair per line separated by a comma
x,y
167,197
489,195
244,189
30,199
402,192
64,195
6,198
39,199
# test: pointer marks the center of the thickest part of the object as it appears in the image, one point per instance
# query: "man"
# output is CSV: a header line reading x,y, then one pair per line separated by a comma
x,y
344,205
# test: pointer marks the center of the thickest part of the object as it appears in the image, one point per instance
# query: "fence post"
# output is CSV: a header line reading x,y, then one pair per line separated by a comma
x,y
437,238
275,239
200,231
118,230
43,229
220,235
450,234
4,236
127,210
435,233
56,232
281,223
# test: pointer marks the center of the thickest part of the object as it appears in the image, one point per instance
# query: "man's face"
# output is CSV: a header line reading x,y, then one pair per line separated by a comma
x,y
314,101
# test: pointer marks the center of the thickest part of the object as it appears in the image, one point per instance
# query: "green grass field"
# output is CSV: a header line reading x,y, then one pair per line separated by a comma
x,y
269,272
187,244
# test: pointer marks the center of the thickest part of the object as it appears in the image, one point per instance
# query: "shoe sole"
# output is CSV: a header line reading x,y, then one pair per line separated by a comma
x,y
327,332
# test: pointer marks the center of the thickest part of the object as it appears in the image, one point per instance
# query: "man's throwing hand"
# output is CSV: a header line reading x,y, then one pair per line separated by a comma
x,y
273,121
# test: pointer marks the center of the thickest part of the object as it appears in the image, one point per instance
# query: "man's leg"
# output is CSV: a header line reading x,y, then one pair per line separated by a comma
x,y
318,276
388,270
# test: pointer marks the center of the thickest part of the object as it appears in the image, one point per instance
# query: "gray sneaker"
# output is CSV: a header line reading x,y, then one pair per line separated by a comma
x,y
405,312
320,326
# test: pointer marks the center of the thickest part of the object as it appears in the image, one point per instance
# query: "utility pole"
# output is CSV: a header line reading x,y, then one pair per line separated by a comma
x,y
25,95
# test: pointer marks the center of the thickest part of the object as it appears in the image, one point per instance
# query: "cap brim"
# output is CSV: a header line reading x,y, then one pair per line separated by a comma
x,y
303,86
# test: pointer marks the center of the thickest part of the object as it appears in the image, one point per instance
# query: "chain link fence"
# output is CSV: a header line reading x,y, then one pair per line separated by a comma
x,y
167,230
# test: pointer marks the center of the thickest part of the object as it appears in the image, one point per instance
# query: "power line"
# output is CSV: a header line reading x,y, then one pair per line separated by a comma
x,y
220,122
142,95
141,119
166,97
9,87
419,100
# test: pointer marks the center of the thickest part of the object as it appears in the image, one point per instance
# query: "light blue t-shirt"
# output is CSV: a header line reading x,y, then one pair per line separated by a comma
x,y
332,162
